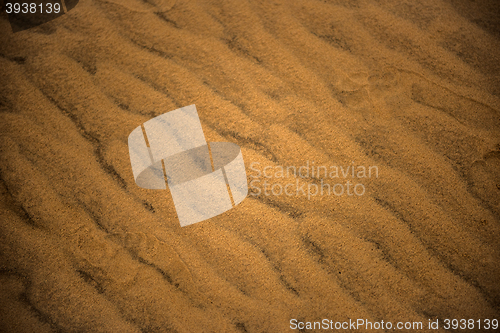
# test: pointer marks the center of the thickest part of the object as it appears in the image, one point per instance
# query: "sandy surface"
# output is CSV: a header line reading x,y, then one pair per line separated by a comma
x,y
411,87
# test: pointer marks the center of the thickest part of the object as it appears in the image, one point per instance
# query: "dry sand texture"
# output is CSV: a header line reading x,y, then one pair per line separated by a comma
x,y
409,86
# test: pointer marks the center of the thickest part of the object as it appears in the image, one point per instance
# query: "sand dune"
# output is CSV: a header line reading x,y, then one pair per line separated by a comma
x,y
412,88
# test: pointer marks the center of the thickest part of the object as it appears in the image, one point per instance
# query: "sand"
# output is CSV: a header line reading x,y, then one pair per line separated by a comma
x,y
411,87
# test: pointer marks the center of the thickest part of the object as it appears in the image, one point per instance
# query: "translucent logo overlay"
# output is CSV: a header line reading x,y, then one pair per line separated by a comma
x,y
205,179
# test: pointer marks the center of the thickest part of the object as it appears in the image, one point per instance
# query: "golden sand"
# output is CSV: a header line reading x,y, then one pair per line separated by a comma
x,y
412,87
